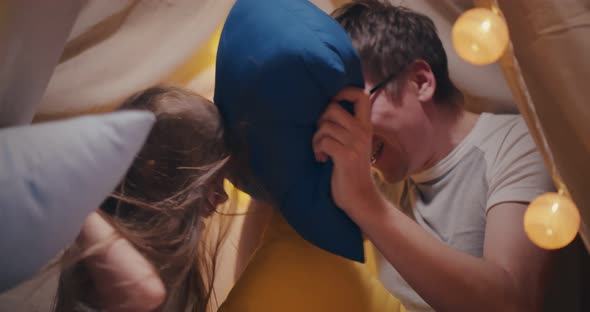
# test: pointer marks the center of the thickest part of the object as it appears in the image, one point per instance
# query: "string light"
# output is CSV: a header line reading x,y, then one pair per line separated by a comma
x,y
552,221
480,36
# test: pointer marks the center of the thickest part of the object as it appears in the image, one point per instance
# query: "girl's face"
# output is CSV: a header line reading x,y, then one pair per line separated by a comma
x,y
216,195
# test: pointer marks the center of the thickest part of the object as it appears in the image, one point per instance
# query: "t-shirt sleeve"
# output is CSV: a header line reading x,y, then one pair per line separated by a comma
x,y
517,172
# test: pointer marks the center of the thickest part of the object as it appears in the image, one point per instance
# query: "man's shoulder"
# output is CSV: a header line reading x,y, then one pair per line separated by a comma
x,y
506,142
515,169
502,123
497,131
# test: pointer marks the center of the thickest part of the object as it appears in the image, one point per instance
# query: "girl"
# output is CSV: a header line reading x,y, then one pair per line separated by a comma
x,y
157,212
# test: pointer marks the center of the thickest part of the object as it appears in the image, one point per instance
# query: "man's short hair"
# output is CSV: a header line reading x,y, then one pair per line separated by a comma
x,y
388,38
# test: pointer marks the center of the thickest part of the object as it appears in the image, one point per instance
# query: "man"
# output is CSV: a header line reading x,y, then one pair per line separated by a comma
x,y
461,245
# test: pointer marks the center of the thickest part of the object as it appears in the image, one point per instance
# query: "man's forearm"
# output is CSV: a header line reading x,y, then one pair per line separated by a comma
x,y
447,279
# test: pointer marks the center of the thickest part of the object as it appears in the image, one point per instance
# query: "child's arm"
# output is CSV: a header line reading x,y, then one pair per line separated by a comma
x,y
124,279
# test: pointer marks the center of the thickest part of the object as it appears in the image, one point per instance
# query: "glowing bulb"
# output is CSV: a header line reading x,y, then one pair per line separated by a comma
x,y
551,221
480,36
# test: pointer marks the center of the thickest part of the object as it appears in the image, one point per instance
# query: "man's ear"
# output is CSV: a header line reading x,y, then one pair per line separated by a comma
x,y
421,75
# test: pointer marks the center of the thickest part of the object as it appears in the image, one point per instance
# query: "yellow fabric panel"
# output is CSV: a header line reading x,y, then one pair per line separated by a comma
x,y
370,259
288,274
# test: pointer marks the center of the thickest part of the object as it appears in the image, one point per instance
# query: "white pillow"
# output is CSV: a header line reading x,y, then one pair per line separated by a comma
x,y
52,176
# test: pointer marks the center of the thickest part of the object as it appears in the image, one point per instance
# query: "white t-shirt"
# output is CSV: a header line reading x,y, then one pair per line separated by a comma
x,y
497,162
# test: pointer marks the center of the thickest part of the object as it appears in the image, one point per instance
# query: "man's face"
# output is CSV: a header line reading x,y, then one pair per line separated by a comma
x,y
399,136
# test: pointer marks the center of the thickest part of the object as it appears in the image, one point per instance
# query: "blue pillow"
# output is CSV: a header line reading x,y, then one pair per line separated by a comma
x,y
279,63
53,176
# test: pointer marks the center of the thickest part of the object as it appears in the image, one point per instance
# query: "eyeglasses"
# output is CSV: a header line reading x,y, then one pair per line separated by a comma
x,y
382,83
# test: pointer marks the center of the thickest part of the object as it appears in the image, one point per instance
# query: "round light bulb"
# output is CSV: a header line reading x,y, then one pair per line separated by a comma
x,y
480,36
552,221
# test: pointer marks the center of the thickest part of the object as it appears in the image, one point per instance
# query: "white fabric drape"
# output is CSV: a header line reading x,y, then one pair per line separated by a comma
x,y
32,37
119,47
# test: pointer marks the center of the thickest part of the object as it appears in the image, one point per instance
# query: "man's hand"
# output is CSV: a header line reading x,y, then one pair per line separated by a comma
x,y
347,140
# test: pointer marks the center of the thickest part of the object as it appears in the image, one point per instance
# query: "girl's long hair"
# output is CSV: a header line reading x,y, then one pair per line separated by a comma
x,y
159,206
